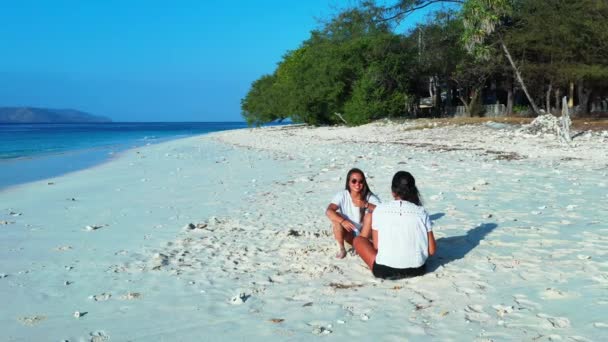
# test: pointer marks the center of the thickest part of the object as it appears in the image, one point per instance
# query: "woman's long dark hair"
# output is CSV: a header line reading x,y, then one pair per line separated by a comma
x,y
366,192
404,186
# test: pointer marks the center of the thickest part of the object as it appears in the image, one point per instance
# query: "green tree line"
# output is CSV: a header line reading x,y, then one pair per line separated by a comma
x,y
357,67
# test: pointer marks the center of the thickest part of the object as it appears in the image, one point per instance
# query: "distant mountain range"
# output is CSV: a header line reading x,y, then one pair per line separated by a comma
x,y
47,115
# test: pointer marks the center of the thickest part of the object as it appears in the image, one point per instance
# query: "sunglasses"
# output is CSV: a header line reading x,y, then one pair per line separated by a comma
x,y
355,181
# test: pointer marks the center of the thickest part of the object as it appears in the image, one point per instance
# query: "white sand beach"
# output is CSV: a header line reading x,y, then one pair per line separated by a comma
x,y
223,237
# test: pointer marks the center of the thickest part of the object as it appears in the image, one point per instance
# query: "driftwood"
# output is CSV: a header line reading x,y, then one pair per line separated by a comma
x,y
566,122
341,118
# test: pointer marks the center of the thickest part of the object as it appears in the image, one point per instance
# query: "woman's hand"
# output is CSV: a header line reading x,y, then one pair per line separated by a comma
x,y
349,226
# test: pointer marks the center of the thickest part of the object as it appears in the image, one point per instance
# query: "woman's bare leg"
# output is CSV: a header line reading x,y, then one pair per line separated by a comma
x,y
341,235
366,250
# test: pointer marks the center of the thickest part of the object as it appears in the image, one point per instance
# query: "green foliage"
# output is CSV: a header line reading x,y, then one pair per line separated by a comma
x,y
481,19
356,65
262,103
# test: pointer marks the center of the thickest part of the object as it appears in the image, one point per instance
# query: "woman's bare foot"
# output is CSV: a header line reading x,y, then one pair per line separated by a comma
x,y
341,253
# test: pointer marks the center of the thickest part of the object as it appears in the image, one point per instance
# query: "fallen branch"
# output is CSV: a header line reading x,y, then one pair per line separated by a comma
x,y
341,118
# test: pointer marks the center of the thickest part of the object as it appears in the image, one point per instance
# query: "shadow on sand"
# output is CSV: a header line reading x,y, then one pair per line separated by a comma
x,y
436,216
456,247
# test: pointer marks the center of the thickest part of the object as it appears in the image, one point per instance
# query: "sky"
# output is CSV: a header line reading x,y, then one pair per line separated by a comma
x,y
141,61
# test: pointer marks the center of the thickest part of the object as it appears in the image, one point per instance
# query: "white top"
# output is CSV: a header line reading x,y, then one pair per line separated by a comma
x,y
402,234
347,208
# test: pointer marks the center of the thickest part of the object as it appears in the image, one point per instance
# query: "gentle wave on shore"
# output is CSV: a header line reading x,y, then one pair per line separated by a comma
x,y
30,152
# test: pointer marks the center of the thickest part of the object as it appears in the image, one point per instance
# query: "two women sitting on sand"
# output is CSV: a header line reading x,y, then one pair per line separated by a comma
x,y
401,235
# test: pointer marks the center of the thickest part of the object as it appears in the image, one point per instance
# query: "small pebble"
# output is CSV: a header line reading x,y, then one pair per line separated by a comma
x,y
77,314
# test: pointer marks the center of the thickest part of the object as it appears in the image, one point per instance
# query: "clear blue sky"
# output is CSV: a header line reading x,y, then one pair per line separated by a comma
x,y
147,60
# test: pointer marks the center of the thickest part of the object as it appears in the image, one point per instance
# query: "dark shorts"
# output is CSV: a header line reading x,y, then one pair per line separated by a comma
x,y
386,272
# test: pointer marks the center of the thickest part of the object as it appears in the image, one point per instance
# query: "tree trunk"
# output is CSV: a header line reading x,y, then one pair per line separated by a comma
x,y
469,107
519,78
509,96
448,101
558,104
583,97
467,113
548,98
571,95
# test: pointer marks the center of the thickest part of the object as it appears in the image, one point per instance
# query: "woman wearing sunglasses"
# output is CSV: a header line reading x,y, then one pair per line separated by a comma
x,y
401,233
349,207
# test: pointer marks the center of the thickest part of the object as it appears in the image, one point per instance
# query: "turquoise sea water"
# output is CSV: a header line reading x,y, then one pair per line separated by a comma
x,y
30,152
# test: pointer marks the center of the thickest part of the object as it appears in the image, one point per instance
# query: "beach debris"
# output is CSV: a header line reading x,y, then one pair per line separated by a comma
x,y
239,299
474,308
159,261
526,303
131,296
293,232
15,214
583,257
77,314
556,322
364,317
421,306
276,320
502,310
102,297
67,283
344,286
550,124
321,330
69,268
6,222
487,216
3,275
50,183
477,317
481,182
192,226
31,320
551,293
212,221
93,227
62,248
307,304
99,336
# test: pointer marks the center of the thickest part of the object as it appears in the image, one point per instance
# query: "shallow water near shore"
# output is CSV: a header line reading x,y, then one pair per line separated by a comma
x,y
30,152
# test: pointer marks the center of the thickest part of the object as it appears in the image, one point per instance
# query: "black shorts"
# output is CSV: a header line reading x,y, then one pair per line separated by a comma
x,y
386,272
